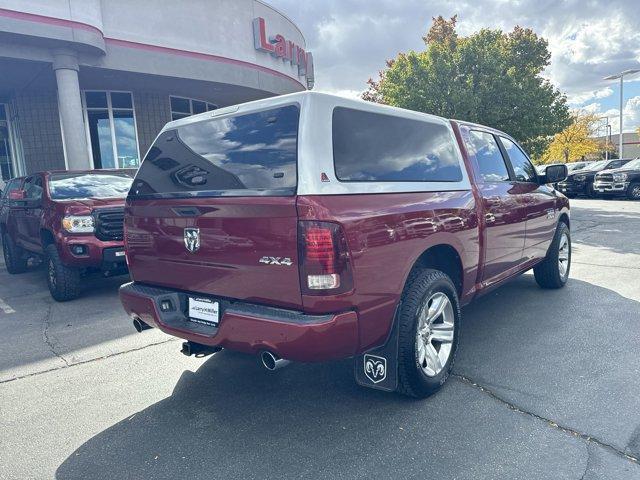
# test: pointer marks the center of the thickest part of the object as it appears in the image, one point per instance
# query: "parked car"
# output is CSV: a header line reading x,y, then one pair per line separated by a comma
x,y
620,181
571,166
72,220
581,182
309,227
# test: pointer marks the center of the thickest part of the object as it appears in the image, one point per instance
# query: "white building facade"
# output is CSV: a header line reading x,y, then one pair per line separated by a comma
x,y
90,83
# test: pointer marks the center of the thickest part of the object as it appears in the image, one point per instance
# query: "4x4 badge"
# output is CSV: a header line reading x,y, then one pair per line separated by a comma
x,y
375,368
286,261
192,239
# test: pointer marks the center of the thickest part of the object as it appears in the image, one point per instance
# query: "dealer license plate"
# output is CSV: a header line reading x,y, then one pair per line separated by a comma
x,y
204,311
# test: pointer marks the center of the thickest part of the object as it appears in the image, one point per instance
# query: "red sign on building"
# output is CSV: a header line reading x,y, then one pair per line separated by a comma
x,y
280,47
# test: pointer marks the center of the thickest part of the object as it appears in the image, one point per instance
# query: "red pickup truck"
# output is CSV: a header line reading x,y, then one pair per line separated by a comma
x,y
310,227
71,219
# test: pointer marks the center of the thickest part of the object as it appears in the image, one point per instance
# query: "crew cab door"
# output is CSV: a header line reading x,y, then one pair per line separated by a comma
x,y
504,207
540,202
28,212
5,202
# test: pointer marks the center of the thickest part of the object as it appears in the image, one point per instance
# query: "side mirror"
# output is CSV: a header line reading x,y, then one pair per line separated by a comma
x,y
555,174
17,195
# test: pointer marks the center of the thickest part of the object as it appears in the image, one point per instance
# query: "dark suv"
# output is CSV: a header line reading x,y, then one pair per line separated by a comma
x,y
580,182
309,227
71,219
620,181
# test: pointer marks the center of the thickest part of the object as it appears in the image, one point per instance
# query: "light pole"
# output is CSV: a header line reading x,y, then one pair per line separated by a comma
x,y
621,77
607,135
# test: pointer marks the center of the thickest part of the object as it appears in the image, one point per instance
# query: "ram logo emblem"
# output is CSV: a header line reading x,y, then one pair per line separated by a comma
x,y
192,239
375,368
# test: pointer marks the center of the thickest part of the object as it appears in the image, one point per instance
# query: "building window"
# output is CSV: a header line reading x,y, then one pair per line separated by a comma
x,y
111,129
7,168
183,107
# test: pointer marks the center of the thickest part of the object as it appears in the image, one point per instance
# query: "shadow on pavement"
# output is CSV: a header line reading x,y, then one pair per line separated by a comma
x,y
232,419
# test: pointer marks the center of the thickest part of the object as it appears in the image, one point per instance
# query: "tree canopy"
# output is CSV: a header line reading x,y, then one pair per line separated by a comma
x,y
574,142
490,77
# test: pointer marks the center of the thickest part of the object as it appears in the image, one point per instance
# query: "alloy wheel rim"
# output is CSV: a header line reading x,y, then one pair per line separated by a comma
x,y
635,193
564,253
434,334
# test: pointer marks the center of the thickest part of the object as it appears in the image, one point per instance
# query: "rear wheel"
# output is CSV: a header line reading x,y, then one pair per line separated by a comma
x,y
553,272
15,257
63,281
429,325
633,192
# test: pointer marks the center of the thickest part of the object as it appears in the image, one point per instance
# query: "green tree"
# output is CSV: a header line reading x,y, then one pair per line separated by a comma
x,y
490,77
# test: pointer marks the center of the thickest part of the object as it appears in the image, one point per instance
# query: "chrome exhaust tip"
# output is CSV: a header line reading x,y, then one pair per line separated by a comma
x,y
139,325
272,362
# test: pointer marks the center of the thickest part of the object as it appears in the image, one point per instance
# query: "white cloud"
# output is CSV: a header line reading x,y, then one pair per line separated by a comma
x,y
581,98
630,115
591,108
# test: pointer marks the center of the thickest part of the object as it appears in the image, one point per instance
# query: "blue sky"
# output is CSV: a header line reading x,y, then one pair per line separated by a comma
x,y
631,89
588,40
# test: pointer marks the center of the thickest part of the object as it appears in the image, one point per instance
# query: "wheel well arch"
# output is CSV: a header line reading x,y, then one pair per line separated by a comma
x,y
445,258
565,219
46,237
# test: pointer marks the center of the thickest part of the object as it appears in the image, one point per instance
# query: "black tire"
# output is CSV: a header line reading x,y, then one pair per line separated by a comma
x,y
420,288
633,192
63,281
591,192
548,273
15,258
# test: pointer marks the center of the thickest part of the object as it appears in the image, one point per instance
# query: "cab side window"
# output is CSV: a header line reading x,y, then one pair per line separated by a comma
x,y
490,162
374,147
522,166
614,165
33,188
12,186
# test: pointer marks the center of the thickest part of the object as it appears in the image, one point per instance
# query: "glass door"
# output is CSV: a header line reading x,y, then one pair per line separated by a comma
x,y
111,129
6,159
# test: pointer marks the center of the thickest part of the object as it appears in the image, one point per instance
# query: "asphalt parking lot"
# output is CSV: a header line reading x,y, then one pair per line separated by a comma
x,y
546,385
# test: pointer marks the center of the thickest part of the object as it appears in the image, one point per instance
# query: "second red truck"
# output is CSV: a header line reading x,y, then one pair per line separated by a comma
x,y
72,220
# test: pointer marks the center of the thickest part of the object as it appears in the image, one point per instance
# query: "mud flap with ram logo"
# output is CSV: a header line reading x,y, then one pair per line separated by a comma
x,y
378,368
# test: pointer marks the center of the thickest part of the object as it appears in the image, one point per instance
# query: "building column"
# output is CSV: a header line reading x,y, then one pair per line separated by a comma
x,y
65,65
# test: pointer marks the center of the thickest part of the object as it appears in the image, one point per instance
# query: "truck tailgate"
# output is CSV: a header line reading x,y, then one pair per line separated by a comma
x,y
247,247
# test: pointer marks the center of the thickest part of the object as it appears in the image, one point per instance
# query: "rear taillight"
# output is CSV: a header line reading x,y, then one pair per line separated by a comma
x,y
125,243
325,265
